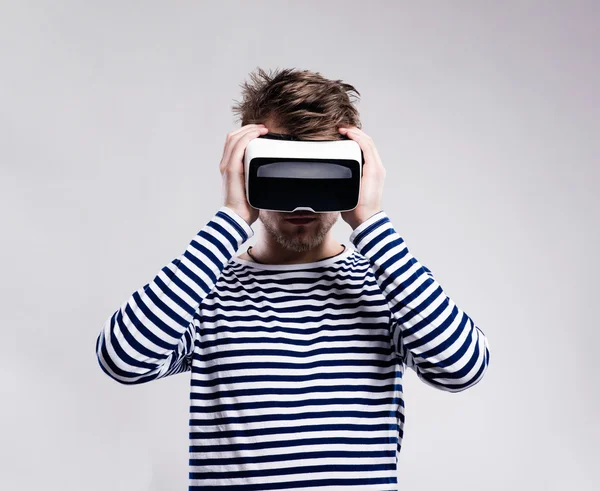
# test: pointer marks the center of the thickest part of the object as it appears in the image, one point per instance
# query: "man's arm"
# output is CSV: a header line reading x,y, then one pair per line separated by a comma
x,y
431,334
152,334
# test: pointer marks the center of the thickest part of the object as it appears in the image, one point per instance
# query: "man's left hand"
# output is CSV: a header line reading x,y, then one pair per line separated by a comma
x,y
372,180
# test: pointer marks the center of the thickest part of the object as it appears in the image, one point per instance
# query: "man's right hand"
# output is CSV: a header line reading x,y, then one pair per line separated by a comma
x,y
232,170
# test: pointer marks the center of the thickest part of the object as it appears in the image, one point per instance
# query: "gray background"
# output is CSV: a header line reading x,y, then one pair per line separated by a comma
x,y
112,125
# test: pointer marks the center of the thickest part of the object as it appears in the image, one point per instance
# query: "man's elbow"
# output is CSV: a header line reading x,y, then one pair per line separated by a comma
x,y
459,380
116,369
472,373
472,379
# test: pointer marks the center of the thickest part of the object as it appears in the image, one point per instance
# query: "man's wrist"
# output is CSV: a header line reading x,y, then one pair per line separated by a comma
x,y
355,223
242,215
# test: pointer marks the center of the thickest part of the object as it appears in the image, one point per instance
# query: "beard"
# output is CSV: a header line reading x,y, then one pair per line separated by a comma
x,y
297,238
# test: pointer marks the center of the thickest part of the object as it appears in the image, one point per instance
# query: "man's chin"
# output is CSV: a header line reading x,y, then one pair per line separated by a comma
x,y
298,244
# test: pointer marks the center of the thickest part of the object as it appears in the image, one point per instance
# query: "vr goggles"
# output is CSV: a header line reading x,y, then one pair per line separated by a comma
x,y
286,173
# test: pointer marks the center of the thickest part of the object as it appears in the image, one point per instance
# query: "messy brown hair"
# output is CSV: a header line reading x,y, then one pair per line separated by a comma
x,y
303,102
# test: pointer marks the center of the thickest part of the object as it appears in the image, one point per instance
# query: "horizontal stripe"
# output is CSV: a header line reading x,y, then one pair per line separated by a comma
x,y
295,370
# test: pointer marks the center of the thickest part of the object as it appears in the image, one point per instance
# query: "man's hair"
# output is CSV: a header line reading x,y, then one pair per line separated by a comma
x,y
302,102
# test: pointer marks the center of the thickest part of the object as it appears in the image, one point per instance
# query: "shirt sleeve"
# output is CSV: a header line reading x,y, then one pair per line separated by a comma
x,y
431,334
152,334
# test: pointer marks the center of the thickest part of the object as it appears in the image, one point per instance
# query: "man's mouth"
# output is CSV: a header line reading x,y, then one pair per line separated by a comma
x,y
301,220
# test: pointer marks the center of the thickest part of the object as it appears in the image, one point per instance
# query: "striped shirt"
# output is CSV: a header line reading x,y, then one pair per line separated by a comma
x,y
295,370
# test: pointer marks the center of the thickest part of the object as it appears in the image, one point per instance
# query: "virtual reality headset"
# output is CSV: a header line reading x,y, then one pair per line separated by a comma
x,y
286,173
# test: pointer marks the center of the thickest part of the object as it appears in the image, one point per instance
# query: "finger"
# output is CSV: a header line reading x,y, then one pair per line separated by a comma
x,y
368,147
239,148
246,127
234,137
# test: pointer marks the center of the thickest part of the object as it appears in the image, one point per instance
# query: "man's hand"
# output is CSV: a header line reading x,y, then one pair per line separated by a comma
x,y
232,170
371,185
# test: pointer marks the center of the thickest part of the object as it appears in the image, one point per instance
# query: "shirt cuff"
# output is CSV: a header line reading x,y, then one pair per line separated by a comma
x,y
243,224
359,232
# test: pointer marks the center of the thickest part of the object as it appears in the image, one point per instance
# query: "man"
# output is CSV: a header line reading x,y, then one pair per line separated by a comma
x,y
296,348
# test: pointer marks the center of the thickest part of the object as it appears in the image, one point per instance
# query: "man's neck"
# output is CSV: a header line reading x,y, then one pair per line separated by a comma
x,y
265,255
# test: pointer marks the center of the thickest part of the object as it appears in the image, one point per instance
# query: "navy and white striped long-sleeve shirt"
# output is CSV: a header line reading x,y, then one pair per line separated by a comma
x,y
295,370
